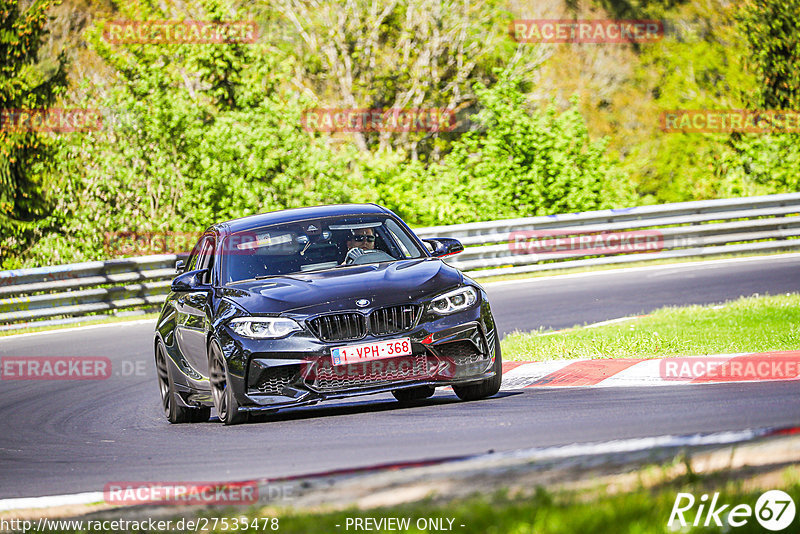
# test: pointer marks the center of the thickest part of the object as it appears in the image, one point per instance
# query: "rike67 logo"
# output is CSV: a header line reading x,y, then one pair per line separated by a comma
x,y
774,510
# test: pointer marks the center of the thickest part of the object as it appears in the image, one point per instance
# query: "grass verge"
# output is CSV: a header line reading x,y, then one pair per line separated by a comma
x,y
749,324
601,510
641,500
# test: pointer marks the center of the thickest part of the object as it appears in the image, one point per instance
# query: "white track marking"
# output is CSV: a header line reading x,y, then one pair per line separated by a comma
x,y
79,328
686,265
527,374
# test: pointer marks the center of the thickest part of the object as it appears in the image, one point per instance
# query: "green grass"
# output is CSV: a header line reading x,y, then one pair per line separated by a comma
x,y
644,509
541,511
750,324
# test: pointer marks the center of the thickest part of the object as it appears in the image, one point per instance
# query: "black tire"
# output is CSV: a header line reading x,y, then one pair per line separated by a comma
x,y
414,394
224,400
488,387
174,412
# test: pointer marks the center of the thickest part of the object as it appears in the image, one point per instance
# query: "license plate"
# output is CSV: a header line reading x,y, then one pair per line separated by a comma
x,y
376,350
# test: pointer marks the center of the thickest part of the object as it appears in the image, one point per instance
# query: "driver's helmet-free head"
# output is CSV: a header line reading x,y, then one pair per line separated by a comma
x,y
362,236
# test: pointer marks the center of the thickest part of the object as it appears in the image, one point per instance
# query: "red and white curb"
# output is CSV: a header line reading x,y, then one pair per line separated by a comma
x,y
681,370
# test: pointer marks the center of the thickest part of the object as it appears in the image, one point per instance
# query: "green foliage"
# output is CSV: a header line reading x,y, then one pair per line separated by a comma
x,y
770,28
190,140
525,162
199,133
721,56
401,54
767,163
698,65
25,84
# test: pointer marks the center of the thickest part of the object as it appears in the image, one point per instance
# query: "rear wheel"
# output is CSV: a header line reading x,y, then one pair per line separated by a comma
x,y
224,401
488,387
413,394
174,412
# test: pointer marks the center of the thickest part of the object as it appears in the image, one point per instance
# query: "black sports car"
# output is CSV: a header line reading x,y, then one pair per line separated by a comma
x,y
293,307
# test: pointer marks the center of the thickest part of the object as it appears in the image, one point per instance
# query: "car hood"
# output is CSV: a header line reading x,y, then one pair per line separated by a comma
x,y
382,284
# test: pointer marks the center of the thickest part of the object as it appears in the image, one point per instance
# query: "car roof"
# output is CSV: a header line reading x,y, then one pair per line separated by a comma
x,y
296,214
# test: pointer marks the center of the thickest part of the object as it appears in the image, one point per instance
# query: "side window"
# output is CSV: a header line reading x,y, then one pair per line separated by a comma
x,y
202,257
194,257
405,244
205,258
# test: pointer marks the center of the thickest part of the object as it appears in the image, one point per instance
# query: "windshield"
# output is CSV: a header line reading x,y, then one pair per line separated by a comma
x,y
314,245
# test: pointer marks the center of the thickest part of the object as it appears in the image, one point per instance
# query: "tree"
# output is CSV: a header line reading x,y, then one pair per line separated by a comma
x,y
524,162
364,54
770,28
769,162
194,134
26,83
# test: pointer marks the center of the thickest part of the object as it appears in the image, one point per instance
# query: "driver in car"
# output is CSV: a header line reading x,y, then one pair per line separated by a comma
x,y
359,242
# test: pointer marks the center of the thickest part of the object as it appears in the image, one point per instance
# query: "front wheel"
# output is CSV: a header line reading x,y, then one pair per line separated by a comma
x,y
488,387
224,400
174,412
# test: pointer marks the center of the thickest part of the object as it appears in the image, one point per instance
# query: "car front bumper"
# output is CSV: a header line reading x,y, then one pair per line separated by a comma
x,y
298,370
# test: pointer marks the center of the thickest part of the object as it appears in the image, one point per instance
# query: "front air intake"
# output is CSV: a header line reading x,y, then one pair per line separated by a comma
x,y
339,327
393,320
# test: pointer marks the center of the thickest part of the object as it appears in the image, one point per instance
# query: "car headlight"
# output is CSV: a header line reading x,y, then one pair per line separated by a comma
x,y
454,301
264,327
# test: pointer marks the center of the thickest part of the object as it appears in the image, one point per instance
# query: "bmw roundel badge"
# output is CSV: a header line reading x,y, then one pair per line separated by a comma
x,y
362,302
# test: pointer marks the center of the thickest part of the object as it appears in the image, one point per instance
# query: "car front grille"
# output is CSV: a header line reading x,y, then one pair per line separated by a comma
x,y
327,377
351,326
394,319
274,379
339,327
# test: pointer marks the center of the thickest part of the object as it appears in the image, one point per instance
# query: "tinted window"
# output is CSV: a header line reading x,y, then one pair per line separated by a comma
x,y
205,260
314,245
194,257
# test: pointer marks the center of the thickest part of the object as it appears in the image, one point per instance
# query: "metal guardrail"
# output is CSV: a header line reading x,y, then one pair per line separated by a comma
x,y
512,246
686,229
84,288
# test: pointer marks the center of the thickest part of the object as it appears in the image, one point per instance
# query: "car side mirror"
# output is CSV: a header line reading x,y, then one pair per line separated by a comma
x,y
190,281
444,246
179,266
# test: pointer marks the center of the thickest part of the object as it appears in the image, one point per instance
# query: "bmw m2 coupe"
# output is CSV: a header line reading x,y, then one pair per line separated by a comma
x,y
297,306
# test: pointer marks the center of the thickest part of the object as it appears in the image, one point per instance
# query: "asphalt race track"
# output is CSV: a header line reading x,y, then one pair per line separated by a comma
x,y
581,299
61,437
